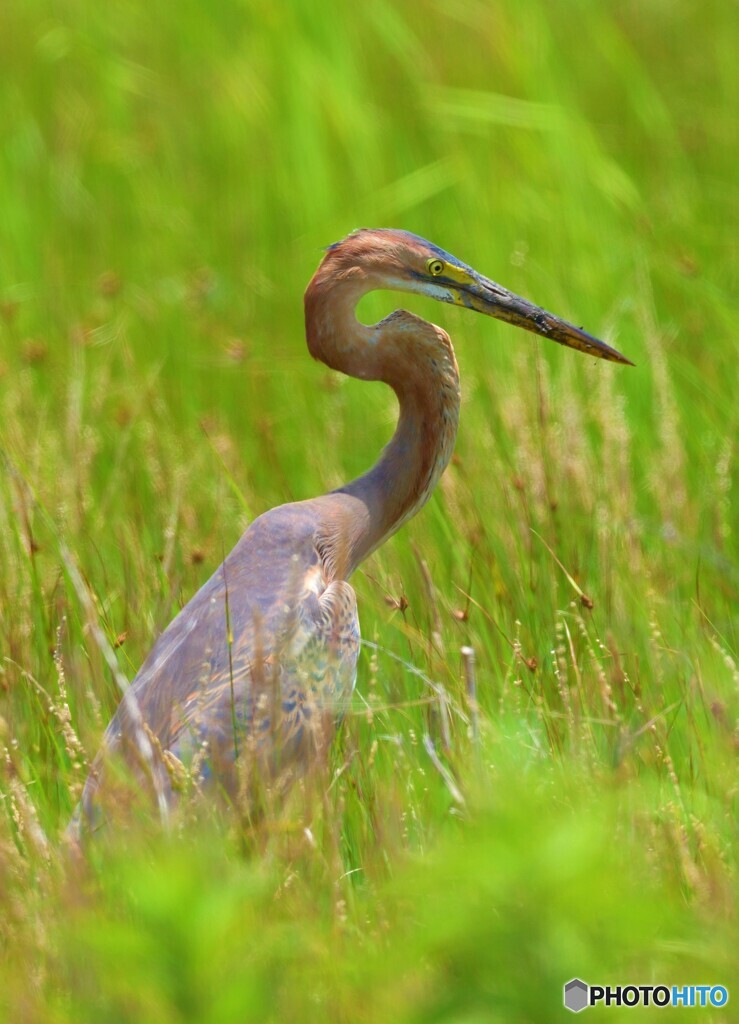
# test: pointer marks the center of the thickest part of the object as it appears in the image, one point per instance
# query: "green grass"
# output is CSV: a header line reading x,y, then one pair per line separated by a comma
x,y
168,176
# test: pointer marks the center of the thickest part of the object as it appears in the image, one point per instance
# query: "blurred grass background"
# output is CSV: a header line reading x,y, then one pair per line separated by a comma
x,y
168,177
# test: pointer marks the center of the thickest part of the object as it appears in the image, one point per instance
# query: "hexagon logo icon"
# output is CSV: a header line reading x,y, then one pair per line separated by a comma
x,y
576,995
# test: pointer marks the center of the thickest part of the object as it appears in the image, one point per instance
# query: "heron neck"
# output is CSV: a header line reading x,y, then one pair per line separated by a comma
x,y
404,477
417,360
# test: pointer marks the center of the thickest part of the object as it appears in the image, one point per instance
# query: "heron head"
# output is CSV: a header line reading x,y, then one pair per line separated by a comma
x,y
401,261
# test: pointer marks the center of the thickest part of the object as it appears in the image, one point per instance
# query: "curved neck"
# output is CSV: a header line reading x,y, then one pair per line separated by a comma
x,y
417,360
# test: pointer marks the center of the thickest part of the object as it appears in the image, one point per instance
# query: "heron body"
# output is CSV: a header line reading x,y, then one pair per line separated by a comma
x,y
258,666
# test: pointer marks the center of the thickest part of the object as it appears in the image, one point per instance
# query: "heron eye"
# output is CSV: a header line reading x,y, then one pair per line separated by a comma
x,y
435,267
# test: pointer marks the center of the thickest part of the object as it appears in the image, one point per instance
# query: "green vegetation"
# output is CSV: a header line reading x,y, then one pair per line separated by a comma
x,y
168,176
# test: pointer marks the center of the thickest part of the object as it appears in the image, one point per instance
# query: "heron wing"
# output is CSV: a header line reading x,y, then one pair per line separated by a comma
x,y
262,659
279,697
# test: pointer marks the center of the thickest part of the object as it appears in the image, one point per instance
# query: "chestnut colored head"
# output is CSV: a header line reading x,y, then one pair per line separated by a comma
x,y
387,258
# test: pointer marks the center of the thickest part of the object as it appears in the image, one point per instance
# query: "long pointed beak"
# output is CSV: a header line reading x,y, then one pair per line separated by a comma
x,y
490,298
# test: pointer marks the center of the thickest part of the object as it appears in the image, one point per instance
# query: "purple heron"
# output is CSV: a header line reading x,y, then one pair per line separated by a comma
x,y
259,665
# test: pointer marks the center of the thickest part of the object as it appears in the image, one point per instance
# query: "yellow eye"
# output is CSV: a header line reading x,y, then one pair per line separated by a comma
x,y
434,266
